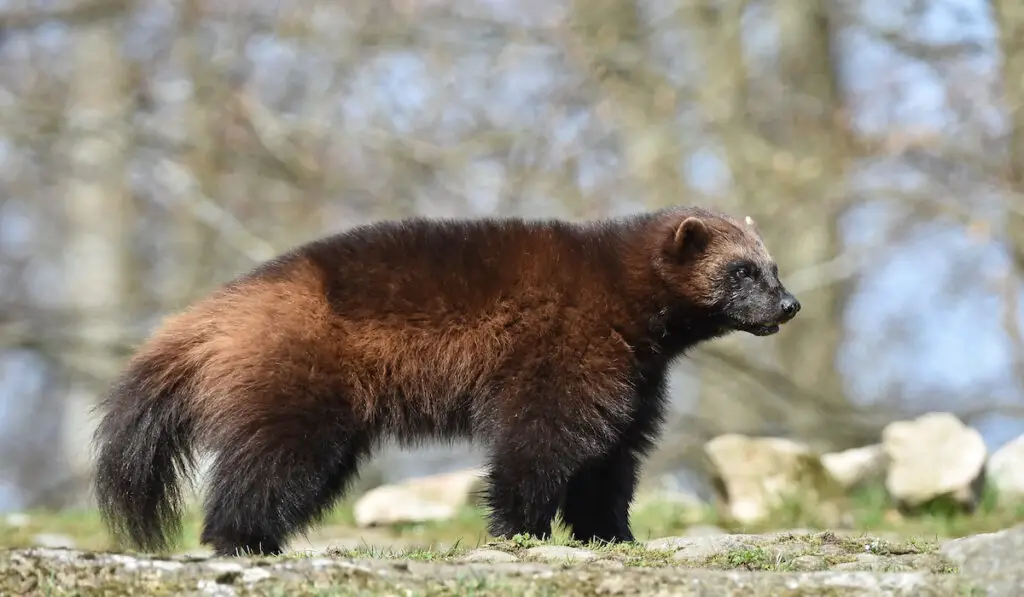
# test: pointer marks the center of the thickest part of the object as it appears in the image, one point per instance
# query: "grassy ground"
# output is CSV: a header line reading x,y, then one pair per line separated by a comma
x,y
866,511
457,557
619,570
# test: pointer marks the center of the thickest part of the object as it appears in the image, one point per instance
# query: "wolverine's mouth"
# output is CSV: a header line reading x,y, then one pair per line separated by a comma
x,y
764,330
758,329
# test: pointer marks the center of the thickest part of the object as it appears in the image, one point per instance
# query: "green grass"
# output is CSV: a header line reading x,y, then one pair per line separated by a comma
x,y
866,510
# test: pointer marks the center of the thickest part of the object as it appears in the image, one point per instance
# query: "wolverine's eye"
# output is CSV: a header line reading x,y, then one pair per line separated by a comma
x,y
744,271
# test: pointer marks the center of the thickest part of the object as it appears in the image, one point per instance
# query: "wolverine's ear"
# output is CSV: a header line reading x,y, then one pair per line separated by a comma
x,y
692,235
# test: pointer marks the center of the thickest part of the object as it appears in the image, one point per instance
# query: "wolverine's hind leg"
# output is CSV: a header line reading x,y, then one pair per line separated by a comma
x,y
273,480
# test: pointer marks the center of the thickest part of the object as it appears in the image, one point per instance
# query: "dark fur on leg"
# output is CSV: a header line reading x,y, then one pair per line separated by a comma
x,y
523,502
274,486
529,471
596,506
598,496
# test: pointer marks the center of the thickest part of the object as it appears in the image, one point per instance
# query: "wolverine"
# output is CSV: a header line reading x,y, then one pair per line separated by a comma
x,y
546,342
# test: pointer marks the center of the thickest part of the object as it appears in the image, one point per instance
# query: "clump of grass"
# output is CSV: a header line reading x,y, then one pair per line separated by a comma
x,y
748,558
418,553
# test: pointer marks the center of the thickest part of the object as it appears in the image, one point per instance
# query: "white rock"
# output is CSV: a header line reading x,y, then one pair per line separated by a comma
x,y
1005,470
431,498
759,473
488,556
560,553
254,575
17,520
931,456
53,540
858,465
225,567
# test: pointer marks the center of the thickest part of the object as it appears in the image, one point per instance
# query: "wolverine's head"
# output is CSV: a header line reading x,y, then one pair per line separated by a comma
x,y
722,267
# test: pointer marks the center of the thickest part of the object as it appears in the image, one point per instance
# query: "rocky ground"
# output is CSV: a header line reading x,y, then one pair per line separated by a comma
x,y
905,495
777,565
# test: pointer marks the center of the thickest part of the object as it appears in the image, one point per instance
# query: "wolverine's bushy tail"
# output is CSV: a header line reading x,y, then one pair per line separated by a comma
x,y
144,448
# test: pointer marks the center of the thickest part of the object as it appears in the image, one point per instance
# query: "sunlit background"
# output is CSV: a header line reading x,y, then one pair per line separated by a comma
x,y
151,150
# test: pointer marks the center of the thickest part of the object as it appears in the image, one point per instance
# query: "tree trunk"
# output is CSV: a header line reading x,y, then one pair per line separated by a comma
x,y
1010,21
788,174
99,270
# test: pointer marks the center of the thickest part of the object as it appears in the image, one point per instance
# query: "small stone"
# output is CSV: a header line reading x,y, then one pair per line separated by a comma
x,y
857,466
53,541
696,549
560,553
225,567
612,585
809,563
1005,471
214,589
868,559
989,561
422,499
756,475
253,575
709,541
17,520
933,456
488,556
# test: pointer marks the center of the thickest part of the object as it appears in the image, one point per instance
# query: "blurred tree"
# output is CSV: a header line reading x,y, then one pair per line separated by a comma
x,y
258,125
99,266
786,154
1010,23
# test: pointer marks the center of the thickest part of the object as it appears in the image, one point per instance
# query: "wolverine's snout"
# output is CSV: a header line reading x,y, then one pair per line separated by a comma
x,y
790,306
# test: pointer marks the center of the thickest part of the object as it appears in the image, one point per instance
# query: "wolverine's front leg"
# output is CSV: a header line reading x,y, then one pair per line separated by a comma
x,y
527,480
599,494
531,463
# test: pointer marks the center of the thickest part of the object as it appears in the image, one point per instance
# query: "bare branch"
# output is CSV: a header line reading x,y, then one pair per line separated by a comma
x,y
81,11
176,178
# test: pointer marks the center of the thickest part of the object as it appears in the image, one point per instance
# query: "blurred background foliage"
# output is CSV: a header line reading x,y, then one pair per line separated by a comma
x,y
151,150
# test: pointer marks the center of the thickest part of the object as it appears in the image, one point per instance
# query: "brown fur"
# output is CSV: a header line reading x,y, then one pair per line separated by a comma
x,y
546,341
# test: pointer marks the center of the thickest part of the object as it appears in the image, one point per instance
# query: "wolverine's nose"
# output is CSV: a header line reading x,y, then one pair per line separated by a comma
x,y
790,306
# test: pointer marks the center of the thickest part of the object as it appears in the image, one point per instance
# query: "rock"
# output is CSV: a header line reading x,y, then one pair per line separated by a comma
x,y
698,549
613,585
757,474
933,456
989,562
488,556
703,530
17,520
422,499
53,540
1005,470
809,563
862,562
560,553
857,466
37,571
